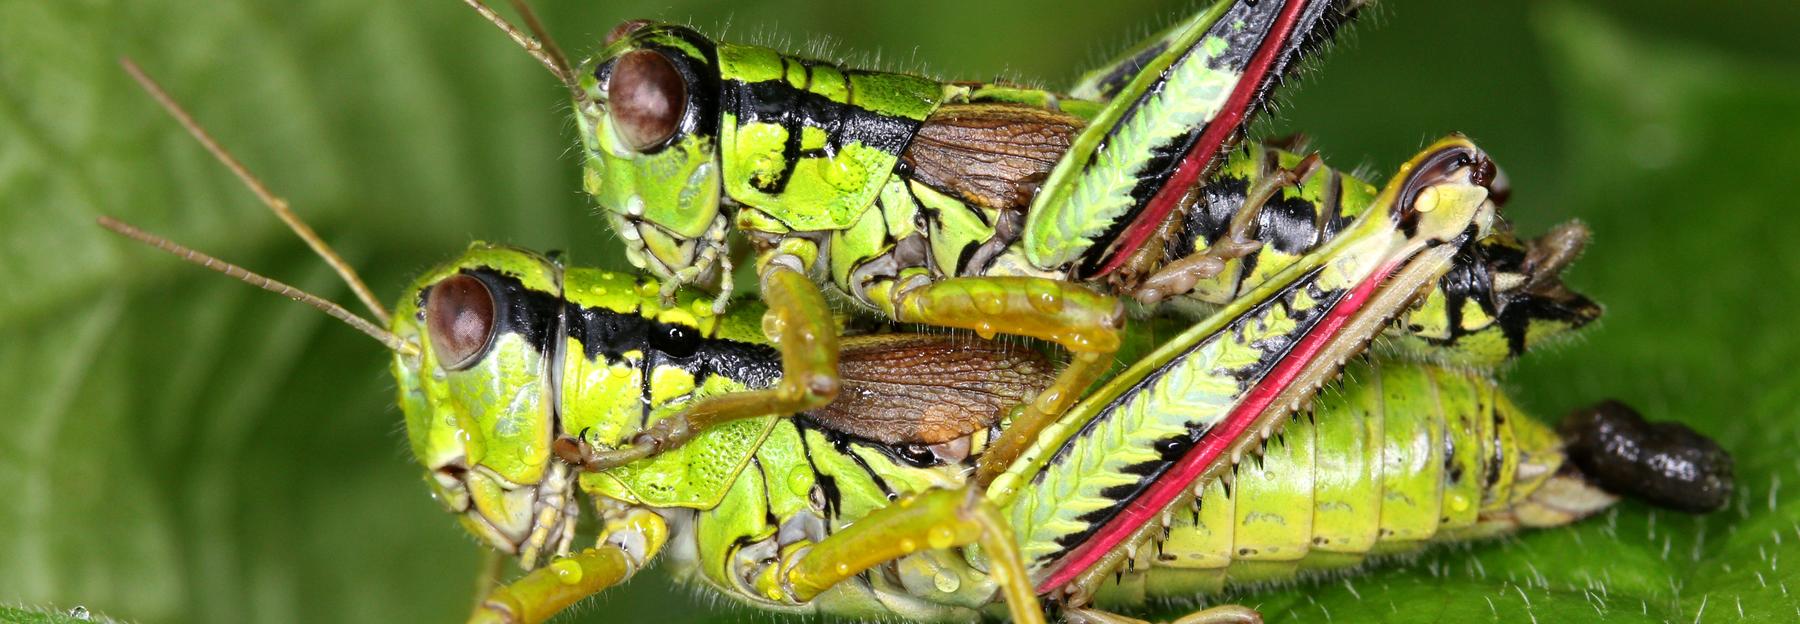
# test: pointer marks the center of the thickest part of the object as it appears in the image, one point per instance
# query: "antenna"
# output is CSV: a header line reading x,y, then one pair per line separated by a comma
x,y
252,278
276,204
538,44
544,39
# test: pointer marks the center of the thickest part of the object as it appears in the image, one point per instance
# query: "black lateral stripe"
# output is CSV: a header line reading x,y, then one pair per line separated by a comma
x,y
1289,224
833,499
777,102
1207,219
844,445
533,314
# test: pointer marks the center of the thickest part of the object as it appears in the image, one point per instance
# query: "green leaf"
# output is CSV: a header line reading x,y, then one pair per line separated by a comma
x,y
177,447
75,615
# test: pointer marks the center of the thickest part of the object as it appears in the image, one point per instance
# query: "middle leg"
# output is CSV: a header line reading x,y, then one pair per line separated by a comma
x,y
1073,316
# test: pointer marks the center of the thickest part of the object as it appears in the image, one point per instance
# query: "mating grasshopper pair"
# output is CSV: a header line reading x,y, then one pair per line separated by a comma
x,y
518,374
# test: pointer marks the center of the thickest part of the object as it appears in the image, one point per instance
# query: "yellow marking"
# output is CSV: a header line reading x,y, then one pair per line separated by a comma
x,y
668,382
812,138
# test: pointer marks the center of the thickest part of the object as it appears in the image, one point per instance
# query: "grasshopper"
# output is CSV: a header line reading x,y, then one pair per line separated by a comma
x,y
841,511
864,527
988,207
506,360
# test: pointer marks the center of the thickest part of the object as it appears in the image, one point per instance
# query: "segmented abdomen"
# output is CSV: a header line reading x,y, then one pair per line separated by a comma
x,y
1403,456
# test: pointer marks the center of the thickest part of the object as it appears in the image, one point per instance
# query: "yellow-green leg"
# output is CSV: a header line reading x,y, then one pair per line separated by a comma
x,y
630,539
935,519
1222,614
801,325
546,591
1079,319
1179,277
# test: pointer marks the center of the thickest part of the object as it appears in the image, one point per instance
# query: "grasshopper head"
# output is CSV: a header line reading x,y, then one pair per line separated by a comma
x,y
1501,298
647,111
480,396
522,367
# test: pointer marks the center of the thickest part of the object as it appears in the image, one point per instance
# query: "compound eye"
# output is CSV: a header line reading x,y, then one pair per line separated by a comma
x,y
459,313
647,98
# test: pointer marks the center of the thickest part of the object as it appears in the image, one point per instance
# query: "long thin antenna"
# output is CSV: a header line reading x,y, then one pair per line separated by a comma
x,y
252,278
540,47
545,40
276,204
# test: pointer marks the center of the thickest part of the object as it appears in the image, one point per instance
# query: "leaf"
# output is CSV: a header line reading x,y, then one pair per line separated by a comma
x,y
177,447
75,615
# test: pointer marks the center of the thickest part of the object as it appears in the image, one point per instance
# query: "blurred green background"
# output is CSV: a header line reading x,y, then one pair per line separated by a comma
x,y
178,447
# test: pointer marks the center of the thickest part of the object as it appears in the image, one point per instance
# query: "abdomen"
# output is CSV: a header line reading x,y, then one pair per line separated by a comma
x,y
1406,456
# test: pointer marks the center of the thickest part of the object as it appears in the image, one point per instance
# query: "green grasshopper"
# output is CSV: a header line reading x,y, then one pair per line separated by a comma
x,y
916,198
505,358
498,349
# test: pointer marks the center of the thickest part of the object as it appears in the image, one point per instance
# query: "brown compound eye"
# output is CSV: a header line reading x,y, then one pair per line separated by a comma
x,y
646,97
459,314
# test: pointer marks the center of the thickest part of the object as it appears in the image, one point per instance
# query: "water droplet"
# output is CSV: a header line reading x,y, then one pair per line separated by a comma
x,y
80,613
799,480
946,581
567,571
843,569
991,303
1427,200
1459,503
908,546
941,536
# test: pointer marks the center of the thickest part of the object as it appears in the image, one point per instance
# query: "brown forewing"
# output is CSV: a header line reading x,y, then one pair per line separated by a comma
x,y
990,155
925,389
